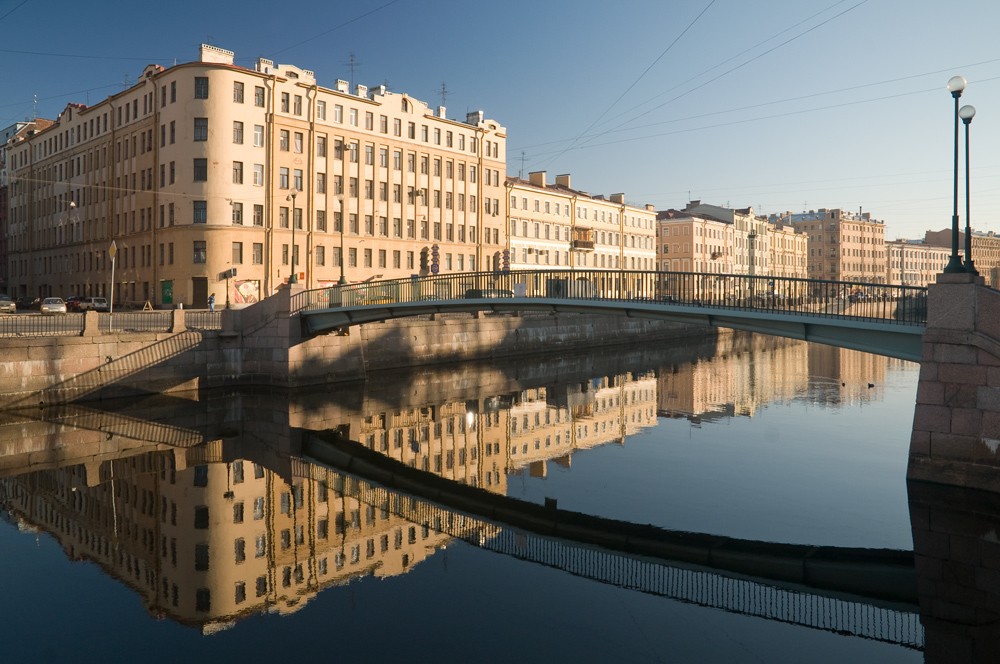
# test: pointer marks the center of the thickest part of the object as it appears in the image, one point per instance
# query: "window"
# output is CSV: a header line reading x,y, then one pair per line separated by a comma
x,y
284,102
258,136
320,255
297,179
258,96
321,146
237,132
353,116
201,129
201,170
298,142
200,213
321,183
201,557
201,87
201,517
258,215
237,172
237,253
238,214
297,105
338,113
200,252
258,253
321,110
283,178
321,220
258,175
283,137
240,552
238,92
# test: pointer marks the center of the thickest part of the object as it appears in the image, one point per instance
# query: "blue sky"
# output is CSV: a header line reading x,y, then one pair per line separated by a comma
x,y
778,104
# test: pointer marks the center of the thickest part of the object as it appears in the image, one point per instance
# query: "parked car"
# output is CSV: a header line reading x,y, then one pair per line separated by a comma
x,y
95,303
488,292
7,305
73,303
27,302
53,305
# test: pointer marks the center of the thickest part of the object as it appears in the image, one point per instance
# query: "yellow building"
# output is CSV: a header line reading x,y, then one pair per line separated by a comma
x,y
206,168
553,226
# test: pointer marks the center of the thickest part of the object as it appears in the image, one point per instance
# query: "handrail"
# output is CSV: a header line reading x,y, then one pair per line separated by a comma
x,y
814,297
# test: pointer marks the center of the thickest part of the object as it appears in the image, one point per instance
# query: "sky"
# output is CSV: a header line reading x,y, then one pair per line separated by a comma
x,y
782,105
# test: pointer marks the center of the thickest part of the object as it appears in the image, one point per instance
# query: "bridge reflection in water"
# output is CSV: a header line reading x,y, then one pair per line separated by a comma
x,y
323,527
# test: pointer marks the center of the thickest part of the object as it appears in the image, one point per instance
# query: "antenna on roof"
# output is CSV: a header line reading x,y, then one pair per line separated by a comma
x,y
352,63
443,91
34,107
520,173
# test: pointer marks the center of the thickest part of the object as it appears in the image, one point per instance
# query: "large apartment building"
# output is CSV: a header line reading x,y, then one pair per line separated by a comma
x,y
985,251
914,262
843,246
553,226
207,169
719,240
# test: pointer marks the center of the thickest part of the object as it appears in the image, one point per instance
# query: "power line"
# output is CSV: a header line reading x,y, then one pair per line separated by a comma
x,y
336,27
640,77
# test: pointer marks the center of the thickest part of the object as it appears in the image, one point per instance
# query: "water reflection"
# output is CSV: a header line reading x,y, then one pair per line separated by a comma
x,y
209,511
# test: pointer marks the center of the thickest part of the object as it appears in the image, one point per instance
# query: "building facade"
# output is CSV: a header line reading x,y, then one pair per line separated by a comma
x,y
914,262
553,226
985,251
843,246
718,240
207,169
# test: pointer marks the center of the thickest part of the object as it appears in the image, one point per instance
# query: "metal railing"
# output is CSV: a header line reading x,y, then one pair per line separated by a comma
x,y
203,320
135,321
38,325
813,297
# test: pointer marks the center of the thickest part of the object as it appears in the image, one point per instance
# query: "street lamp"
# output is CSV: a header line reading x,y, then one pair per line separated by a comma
x,y
966,113
291,197
343,220
956,84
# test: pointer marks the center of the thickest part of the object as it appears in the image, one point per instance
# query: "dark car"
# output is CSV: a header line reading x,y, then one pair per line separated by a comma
x,y
488,292
27,302
73,303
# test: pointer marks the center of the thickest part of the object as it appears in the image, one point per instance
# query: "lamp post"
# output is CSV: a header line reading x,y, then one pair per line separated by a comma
x,y
295,275
966,113
343,258
956,84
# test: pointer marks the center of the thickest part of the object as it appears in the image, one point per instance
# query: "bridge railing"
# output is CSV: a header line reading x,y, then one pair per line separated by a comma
x,y
846,299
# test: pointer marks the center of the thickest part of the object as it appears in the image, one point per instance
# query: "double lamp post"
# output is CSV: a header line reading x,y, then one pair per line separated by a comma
x,y
956,84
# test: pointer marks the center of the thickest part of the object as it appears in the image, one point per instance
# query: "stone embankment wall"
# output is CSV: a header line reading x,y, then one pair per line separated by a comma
x,y
264,345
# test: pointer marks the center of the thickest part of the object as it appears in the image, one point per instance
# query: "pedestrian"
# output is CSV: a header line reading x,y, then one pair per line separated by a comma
x,y
211,302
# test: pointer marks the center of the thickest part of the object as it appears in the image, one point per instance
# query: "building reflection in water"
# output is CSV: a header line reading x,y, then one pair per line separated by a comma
x,y
219,517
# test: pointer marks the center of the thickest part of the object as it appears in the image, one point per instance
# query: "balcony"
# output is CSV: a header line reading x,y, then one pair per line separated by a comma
x,y
582,245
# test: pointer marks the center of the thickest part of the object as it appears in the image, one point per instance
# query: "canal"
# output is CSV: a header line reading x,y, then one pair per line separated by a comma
x,y
199,526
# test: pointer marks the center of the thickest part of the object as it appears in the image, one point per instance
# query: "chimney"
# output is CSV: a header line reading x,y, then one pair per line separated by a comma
x,y
474,118
537,178
441,111
563,180
363,91
209,53
342,85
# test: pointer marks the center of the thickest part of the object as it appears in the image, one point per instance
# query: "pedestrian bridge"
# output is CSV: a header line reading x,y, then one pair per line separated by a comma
x,y
875,318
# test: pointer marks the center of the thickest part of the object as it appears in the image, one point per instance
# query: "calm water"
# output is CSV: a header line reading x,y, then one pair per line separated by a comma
x,y
168,528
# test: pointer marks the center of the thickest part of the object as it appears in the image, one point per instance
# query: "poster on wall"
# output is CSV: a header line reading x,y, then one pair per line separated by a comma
x,y
246,291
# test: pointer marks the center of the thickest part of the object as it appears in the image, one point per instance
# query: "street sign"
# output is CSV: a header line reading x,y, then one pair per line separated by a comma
x,y
113,249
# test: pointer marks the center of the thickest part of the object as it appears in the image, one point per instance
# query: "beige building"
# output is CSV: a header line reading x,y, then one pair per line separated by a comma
x,y
985,251
914,262
553,226
206,167
710,239
843,246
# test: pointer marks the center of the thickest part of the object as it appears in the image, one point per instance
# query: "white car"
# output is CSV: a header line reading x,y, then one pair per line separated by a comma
x,y
95,303
53,305
7,305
